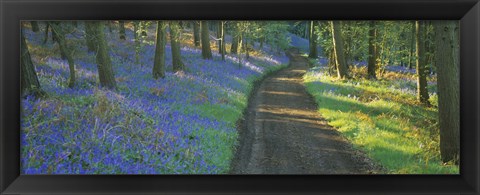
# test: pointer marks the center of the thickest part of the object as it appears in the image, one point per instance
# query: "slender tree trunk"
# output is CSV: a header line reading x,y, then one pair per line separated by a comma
x,y
312,41
332,66
240,38
411,60
372,57
196,33
121,25
46,34
45,39
34,25
137,41
429,48
175,44
448,80
104,64
89,38
422,71
221,33
159,62
247,54
29,79
307,30
60,33
235,40
206,51
339,51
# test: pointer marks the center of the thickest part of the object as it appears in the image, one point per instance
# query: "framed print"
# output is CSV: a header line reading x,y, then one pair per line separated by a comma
x,y
246,97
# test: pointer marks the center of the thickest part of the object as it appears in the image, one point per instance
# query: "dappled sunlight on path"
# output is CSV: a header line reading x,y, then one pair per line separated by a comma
x,y
284,134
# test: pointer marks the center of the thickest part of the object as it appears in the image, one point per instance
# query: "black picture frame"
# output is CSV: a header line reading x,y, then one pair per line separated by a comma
x,y
13,11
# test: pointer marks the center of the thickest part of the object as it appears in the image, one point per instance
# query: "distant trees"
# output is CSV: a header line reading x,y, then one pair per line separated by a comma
x,y
104,64
175,33
206,50
29,80
422,71
275,35
447,59
159,60
338,48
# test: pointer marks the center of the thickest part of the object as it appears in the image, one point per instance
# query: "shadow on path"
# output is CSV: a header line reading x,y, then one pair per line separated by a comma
x,y
284,134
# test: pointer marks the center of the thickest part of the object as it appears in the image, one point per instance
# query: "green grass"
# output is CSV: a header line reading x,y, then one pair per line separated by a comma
x,y
390,126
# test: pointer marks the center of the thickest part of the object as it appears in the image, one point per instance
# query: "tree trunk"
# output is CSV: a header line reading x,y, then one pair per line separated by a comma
x,y
221,33
339,51
307,31
175,44
60,33
121,25
312,41
34,25
332,67
429,48
422,71
206,51
196,33
56,37
46,34
159,62
448,81
89,38
245,46
45,39
412,47
137,41
372,57
29,79
262,41
104,64
235,40
239,55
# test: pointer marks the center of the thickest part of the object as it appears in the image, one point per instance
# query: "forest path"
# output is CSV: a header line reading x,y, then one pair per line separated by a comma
x,y
283,133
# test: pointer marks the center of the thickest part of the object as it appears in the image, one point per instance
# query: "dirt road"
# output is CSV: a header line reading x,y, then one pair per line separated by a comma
x,y
282,132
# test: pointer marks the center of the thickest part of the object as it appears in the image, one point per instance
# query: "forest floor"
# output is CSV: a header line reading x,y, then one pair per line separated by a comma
x,y
282,132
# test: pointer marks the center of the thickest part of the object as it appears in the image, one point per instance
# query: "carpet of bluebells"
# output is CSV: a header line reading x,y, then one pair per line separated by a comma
x,y
182,124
